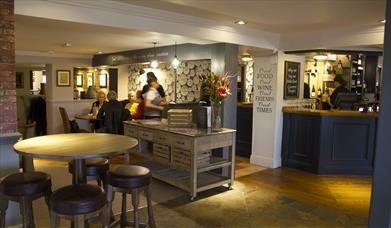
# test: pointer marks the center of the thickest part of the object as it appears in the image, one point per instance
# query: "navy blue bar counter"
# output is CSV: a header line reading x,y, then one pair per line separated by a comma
x,y
329,142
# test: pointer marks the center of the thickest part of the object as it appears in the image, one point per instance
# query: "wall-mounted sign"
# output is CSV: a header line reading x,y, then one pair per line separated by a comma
x,y
291,80
264,80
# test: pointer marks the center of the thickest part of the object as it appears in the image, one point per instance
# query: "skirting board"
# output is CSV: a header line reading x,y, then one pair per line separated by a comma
x,y
265,161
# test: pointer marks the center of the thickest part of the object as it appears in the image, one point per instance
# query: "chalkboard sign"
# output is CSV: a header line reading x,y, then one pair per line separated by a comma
x,y
291,80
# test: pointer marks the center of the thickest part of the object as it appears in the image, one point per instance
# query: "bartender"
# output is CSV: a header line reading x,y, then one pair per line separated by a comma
x,y
339,84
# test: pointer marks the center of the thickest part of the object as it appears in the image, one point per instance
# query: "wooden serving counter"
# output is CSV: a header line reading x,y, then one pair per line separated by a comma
x,y
336,113
182,156
329,141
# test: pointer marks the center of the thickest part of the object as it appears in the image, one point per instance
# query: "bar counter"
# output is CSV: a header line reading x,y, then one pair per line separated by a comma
x,y
329,141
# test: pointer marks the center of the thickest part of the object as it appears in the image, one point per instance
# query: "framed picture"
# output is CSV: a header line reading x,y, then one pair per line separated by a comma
x,y
103,80
19,80
90,79
79,80
63,78
291,80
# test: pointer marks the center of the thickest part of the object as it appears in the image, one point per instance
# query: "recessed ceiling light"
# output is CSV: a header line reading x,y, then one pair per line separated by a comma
x,y
383,21
67,44
240,22
99,52
51,52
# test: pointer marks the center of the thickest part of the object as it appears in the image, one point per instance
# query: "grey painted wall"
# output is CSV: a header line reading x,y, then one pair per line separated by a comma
x,y
380,211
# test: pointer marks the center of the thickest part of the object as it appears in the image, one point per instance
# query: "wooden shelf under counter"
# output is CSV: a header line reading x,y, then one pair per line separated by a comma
x,y
195,174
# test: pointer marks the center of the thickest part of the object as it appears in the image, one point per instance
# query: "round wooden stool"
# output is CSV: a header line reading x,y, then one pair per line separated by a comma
x,y
24,188
130,179
78,203
96,169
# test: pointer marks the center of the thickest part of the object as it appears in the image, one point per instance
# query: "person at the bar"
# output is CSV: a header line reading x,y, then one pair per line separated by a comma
x,y
339,84
101,100
134,105
154,103
152,78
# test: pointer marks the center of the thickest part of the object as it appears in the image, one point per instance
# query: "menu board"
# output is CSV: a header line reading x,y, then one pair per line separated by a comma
x,y
291,80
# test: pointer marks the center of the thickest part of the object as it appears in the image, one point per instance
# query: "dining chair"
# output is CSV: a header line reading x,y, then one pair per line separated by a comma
x,y
28,131
66,123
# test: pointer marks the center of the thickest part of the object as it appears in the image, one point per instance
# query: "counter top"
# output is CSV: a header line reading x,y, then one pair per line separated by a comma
x,y
336,113
189,131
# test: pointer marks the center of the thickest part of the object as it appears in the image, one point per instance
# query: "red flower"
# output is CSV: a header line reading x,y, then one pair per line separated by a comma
x,y
222,91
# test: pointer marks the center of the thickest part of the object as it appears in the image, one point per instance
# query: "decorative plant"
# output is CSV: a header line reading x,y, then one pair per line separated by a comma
x,y
217,87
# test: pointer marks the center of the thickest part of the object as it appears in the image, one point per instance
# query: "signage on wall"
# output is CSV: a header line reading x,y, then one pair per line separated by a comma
x,y
291,80
263,99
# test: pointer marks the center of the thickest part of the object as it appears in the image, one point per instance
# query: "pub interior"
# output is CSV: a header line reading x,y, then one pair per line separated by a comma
x,y
123,119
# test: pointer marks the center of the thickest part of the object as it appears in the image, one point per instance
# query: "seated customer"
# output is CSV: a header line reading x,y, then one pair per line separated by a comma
x,y
101,99
134,105
154,103
112,114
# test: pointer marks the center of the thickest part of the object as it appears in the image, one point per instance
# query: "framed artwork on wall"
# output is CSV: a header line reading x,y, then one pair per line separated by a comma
x,y
291,80
103,80
19,80
63,78
90,79
79,80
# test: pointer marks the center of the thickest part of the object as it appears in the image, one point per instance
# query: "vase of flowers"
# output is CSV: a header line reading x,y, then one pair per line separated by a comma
x,y
217,88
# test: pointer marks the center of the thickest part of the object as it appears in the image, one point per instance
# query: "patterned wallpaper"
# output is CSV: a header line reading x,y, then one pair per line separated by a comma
x,y
188,79
249,76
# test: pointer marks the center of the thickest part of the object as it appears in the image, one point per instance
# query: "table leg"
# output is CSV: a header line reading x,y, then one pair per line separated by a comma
x,y
79,172
28,163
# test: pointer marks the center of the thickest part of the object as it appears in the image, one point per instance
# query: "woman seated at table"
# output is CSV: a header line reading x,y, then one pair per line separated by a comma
x,y
112,114
135,105
101,99
154,103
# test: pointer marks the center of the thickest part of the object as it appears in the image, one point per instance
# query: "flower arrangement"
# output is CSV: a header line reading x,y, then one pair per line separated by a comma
x,y
217,87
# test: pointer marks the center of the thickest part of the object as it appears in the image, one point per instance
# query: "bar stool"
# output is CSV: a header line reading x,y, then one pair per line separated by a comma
x,y
96,169
78,203
130,179
24,188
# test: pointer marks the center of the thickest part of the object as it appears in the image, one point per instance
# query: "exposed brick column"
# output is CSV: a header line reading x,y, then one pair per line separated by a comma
x,y
8,121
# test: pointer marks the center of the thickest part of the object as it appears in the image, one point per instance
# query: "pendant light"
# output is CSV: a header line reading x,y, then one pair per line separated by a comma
x,y
175,62
154,62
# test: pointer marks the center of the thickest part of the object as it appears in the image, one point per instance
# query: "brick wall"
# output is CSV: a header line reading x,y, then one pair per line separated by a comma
x,y
8,122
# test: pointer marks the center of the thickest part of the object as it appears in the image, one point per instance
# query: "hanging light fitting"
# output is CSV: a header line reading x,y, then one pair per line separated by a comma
x,y
175,62
154,62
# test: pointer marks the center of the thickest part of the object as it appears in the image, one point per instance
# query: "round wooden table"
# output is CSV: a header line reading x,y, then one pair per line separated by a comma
x,y
85,117
76,147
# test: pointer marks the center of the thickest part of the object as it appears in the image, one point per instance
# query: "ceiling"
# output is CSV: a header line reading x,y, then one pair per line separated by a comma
x,y
279,16
45,35
292,21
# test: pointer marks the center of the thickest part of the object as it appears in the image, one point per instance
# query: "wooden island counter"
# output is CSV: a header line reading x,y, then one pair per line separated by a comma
x,y
329,141
182,156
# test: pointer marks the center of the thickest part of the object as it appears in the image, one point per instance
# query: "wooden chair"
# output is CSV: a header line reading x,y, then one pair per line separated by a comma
x,y
28,131
65,120
66,123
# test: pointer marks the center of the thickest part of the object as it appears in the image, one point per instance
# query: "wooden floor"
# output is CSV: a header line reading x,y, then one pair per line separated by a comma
x,y
264,197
